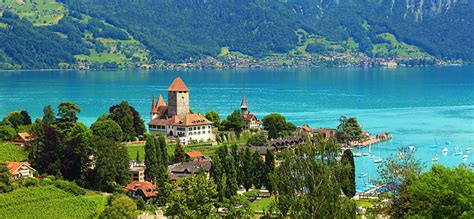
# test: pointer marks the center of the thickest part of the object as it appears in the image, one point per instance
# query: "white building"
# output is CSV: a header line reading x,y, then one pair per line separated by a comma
x,y
174,118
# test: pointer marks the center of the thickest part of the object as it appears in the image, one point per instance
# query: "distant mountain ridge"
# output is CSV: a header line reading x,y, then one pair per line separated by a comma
x,y
183,30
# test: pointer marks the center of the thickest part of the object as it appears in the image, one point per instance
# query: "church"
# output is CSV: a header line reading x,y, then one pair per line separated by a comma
x,y
175,119
250,119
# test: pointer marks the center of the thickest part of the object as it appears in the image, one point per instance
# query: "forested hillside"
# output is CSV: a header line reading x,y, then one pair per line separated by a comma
x,y
124,33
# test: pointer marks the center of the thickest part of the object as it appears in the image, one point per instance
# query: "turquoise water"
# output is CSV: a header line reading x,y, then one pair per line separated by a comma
x,y
419,106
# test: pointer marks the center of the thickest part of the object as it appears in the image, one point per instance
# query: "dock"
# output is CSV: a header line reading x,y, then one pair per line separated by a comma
x,y
372,140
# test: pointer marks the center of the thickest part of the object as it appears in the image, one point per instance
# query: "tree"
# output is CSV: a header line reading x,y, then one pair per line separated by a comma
x,y
443,193
128,119
234,122
398,172
111,165
269,168
76,160
107,129
15,119
67,111
26,117
238,207
347,175
46,152
247,169
5,179
151,162
348,130
164,150
197,199
277,126
7,133
258,139
306,183
258,170
120,207
48,115
231,176
179,154
214,117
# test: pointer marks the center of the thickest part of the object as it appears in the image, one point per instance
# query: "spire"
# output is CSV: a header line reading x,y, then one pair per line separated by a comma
x,y
178,85
243,105
161,101
152,103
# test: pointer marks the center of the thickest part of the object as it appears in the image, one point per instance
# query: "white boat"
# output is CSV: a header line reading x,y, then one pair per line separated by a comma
x,y
358,155
362,175
464,157
445,150
412,148
435,159
366,154
457,153
434,146
468,148
377,160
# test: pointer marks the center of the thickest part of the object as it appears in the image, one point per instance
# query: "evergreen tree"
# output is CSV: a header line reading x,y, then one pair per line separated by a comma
x,y
269,168
151,170
48,115
347,177
179,154
164,150
258,170
348,130
76,162
15,119
247,169
217,174
231,177
162,168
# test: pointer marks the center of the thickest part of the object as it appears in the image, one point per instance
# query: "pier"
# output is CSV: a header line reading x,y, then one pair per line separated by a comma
x,y
371,140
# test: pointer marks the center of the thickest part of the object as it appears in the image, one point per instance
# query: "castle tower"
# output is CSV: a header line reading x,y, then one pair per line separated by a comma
x,y
178,98
243,105
155,107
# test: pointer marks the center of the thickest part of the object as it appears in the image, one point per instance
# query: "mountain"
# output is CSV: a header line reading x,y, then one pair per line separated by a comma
x,y
138,32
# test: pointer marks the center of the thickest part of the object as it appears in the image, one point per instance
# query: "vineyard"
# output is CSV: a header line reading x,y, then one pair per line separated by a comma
x,y
47,202
10,152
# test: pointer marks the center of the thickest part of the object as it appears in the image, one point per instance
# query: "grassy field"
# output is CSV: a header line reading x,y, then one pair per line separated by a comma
x,y
396,48
10,152
49,202
38,12
261,204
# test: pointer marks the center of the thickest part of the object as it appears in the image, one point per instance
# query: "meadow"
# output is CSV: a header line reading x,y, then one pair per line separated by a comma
x,y
49,202
10,152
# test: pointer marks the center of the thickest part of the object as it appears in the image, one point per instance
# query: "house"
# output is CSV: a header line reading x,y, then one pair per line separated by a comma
x,y
144,189
250,119
262,150
288,141
305,130
137,172
326,133
23,139
183,170
20,169
197,156
174,118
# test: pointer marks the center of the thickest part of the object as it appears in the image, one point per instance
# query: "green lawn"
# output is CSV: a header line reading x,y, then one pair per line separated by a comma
x,y
261,204
363,203
49,202
10,152
39,12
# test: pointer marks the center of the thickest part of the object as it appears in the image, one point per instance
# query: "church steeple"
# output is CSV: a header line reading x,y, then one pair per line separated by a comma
x,y
243,105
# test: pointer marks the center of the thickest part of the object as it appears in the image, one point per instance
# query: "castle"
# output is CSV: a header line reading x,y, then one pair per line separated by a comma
x,y
175,119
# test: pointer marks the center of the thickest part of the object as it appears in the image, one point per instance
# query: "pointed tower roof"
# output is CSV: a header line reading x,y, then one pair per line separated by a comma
x,y
161,101
244,102
178,85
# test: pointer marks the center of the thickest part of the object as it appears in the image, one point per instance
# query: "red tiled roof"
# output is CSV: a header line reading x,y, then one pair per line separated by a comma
x,y
147,188
249,116
14,166
178,85
24,136
306,128
187,119
193,154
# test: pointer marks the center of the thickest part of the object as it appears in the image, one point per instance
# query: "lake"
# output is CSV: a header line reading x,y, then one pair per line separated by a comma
x,y
419,106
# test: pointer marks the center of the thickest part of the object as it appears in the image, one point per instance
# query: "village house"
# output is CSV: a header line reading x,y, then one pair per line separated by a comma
x,y
20,170
326,133
144,189
174,118
23,139
197,156
250,119
183,170
137,172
